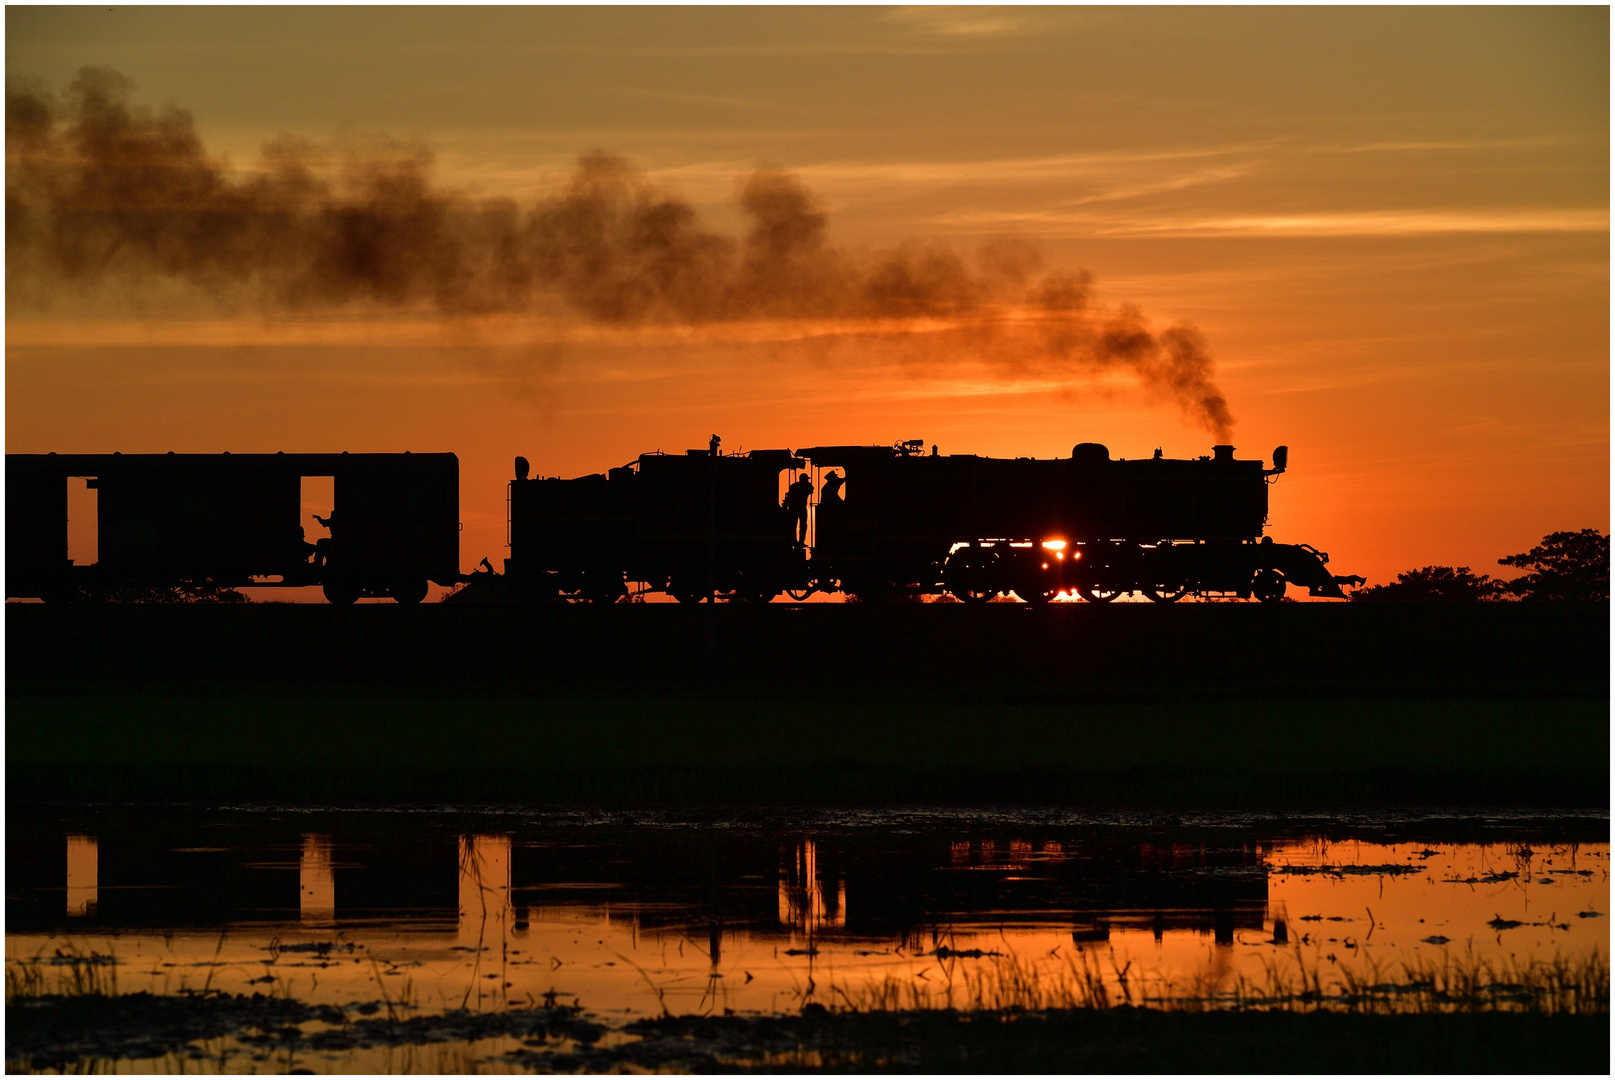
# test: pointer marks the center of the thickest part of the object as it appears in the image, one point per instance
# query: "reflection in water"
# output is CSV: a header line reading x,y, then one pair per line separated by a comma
x,y
485,912
484,926
804,903
83,868
316,884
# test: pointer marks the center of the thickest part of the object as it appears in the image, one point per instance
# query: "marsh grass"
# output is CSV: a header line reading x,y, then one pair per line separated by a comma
x,y
68,972
1455,984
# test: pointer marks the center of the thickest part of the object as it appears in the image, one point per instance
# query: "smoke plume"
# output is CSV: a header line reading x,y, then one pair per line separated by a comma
x,y
104,194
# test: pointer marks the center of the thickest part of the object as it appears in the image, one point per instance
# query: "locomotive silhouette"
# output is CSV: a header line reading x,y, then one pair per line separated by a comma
x,y
877,523
893,521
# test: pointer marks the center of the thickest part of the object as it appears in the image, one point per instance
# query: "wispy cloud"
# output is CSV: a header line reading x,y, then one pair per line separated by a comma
x,y
1069,222
972,21
981,171
1399,146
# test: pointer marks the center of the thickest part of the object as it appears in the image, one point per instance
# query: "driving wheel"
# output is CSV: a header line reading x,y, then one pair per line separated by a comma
x,y
1166,594
1095,595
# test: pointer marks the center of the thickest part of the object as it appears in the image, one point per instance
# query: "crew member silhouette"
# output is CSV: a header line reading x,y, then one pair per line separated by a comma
x,y
795,505
322,546
831,491
305,550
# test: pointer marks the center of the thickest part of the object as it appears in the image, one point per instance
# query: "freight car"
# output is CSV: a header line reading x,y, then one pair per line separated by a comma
x,y
235,520
893,521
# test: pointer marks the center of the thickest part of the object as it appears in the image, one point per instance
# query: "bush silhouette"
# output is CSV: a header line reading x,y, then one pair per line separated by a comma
x,y
1440,583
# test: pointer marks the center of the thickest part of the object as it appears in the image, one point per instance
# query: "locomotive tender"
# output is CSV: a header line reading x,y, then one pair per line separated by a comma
x,y
906,523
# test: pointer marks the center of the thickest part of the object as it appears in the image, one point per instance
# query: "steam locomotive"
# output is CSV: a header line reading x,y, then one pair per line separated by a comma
x,y
886,522
876,523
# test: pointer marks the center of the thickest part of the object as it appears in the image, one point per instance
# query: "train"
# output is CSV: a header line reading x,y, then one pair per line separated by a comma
x,y
875,524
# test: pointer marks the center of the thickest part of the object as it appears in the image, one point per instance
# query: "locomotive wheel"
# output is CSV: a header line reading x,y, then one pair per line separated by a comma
x,y
1268,586
971,573
1163,594
800,594
412,591
685,596
341,593
1096,595
1036,595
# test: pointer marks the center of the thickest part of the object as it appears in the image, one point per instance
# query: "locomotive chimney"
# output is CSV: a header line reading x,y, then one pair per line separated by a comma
x,y
1223,453
521,468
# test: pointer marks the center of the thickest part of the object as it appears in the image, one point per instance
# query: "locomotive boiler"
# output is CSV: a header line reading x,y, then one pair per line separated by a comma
x,y
894,521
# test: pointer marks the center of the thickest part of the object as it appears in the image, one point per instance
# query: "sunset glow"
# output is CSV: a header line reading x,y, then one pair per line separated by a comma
x,y
1378,236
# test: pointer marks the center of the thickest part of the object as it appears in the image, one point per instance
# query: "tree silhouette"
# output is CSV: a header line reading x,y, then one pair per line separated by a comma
x,y
1441,583
1565,566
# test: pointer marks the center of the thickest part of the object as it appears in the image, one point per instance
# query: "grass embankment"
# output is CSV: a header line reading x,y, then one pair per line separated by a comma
x,y
1501,704
1362,752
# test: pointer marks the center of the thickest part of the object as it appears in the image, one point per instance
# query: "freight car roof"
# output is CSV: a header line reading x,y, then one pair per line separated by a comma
x,y
304,464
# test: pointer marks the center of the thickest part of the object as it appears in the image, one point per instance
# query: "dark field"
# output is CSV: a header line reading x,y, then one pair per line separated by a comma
x,y
1204,704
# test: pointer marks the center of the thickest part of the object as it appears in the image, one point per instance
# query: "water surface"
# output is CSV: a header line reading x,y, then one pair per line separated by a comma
x,y
631,914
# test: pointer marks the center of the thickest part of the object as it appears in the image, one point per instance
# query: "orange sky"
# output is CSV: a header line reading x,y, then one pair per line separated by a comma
x,y
1390,225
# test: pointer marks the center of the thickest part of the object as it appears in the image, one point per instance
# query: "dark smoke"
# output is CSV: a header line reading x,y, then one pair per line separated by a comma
x,y
101,193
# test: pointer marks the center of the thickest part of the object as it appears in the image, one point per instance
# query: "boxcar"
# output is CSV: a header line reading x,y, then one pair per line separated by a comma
x,y
234,520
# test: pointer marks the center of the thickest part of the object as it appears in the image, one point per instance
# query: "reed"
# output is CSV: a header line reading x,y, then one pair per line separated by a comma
x,y
1560,986
68,972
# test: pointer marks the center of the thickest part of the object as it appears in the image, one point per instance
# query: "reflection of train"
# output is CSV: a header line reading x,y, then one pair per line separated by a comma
x,y
874,522
152,875
895,521
236,519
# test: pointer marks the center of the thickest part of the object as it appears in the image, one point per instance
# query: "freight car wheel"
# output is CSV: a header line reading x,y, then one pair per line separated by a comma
x,y
1165,594
603,587
1096,595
